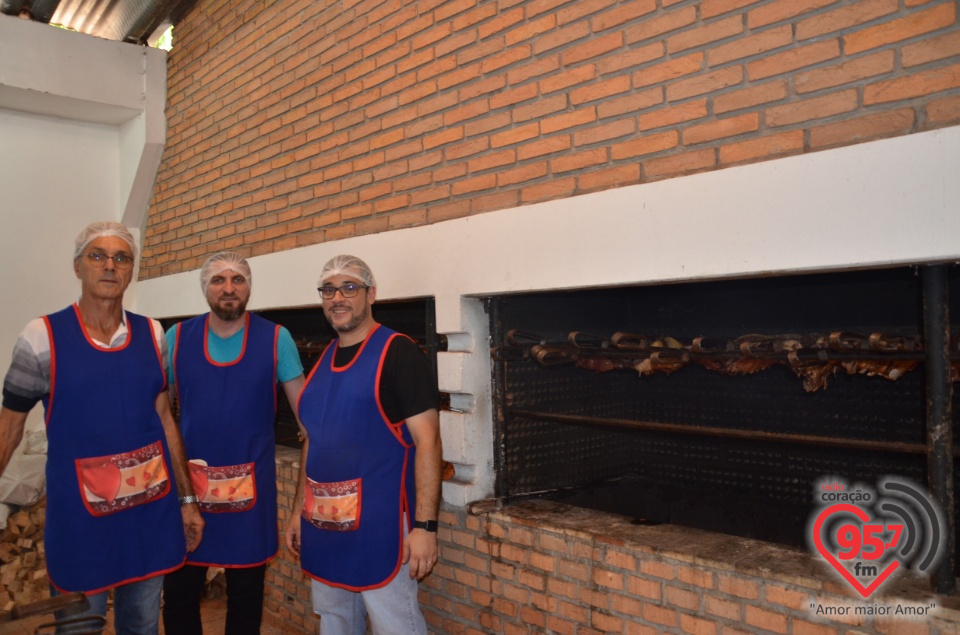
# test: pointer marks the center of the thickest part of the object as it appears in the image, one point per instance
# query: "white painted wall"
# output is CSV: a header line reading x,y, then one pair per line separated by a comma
x,y
81,132
877,204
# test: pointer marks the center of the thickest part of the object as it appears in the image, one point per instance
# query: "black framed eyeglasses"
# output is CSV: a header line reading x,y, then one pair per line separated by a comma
x,y
349,290
120,261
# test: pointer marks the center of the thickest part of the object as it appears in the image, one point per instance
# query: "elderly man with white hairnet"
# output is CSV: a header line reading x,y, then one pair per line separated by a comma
x,y
115,464
370,473
226,367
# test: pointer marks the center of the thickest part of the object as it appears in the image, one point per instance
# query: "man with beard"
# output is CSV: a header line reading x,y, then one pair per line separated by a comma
x,y
370,472
225,371
113,521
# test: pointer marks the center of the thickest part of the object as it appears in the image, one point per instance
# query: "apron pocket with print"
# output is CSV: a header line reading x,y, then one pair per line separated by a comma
x,y
116,482
232,488
333,506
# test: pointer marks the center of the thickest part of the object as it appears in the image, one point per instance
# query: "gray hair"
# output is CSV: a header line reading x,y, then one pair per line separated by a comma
x,y
220,262
100,229
349,266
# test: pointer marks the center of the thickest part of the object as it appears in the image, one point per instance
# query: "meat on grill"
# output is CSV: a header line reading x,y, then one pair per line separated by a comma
x,y
813,358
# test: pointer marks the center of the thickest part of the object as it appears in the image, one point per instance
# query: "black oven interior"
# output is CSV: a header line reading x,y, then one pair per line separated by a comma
x,y
723,451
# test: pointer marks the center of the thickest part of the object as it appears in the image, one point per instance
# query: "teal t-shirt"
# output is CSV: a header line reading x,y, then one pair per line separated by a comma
x,y
225,350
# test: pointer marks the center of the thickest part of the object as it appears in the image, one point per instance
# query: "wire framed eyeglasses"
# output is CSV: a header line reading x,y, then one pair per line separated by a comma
x,y
120,261
349,290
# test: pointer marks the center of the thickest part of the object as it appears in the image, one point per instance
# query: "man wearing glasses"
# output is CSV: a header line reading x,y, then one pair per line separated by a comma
x,y
115,463
226,367
369,486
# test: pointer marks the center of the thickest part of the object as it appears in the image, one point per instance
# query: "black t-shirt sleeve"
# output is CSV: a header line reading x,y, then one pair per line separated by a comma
x,y
15,402
407,385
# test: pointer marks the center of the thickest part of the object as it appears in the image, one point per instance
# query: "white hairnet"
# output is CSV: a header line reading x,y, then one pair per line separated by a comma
x,y
220,262
347,266
103,228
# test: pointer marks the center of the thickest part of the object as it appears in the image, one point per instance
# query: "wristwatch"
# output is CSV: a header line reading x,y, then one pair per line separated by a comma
x,y
426,525
186,500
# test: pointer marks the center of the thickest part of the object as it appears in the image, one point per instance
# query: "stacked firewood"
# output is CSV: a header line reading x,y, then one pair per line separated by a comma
x,y
813,358
23,568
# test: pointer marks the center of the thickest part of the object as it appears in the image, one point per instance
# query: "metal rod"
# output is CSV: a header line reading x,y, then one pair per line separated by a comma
x,y
431,337
940,451
733,433
802,354
485,506
499,394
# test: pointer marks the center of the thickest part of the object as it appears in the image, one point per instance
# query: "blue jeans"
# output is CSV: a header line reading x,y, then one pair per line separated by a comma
x,y
393,609
136,608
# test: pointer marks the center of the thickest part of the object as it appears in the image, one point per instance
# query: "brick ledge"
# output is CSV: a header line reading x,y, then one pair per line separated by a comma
x,y
743,556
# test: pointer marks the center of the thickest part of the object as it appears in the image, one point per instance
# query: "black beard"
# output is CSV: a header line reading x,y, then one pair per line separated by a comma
x,y
352,324
349,326
229,315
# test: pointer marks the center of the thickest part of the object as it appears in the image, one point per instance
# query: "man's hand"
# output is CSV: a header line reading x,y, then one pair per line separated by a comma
x,y
420,550
292,534
192,525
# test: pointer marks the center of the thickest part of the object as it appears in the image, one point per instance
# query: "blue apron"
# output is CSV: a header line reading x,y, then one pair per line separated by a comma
x,y
112,511
227,413
359,472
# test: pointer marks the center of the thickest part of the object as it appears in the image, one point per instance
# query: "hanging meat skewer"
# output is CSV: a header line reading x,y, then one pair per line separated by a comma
x,y
813,358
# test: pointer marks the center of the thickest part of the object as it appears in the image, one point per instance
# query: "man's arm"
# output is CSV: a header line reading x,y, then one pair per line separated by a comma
x,y
421,549
11,434
192,520
26,382
292,390
292,532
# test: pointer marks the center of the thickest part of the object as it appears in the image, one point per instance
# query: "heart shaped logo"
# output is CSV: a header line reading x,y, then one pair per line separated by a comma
x,y
858,531
102,480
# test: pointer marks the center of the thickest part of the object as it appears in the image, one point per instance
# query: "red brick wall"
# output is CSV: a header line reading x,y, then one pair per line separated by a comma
x,y
549,568
287,590
293,122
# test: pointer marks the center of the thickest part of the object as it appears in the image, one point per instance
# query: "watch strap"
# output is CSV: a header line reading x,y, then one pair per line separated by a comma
x,y
426,525
187,500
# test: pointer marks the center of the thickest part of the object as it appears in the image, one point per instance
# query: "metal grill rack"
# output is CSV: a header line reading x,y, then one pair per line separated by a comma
x,y
732,453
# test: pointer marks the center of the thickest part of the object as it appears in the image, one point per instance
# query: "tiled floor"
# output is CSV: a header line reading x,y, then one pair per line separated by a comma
x,y
213,611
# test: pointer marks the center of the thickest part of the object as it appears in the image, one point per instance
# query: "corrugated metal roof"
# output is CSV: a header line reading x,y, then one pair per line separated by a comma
x,y
121,20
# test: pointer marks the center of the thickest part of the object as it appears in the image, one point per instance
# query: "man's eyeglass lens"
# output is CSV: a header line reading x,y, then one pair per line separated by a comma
x,y
348,290
120,261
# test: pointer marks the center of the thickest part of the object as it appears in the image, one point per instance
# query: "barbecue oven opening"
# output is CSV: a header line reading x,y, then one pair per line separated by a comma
x,y
714,405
